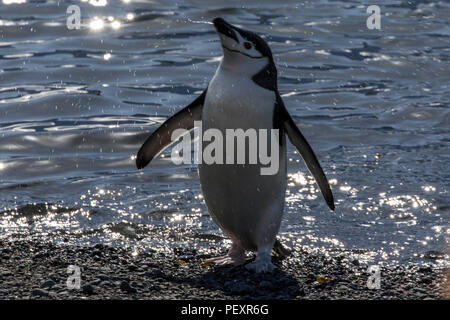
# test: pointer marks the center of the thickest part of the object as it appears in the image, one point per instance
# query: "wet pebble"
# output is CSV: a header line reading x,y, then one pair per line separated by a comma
x,y
88,289
39,292
103,277
48,284
125,287
154,274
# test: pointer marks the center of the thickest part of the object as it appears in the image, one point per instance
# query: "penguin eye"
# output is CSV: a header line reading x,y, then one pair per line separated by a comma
x,y
247,45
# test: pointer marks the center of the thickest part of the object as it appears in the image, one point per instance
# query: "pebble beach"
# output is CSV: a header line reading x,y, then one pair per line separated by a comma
x,y
33,270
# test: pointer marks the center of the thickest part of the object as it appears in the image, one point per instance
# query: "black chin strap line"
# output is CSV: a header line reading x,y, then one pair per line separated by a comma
x,y
253,57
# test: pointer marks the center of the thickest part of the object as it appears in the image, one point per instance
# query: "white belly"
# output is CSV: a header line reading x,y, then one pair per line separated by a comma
x,y
246,205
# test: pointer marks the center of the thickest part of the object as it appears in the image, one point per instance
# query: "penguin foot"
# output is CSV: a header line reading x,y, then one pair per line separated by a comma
x,y
235,256
279,250
262,263
261,267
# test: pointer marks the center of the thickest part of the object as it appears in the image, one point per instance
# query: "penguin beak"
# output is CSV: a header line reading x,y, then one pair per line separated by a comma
x,y
225,28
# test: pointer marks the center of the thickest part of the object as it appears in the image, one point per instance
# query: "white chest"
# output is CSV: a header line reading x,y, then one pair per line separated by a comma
x,y
233,101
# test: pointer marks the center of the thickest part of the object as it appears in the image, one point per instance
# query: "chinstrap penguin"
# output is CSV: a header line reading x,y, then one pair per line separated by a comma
x,y
246,205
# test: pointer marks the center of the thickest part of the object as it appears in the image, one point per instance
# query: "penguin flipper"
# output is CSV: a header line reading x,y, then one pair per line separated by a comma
x,y
299,141
162,137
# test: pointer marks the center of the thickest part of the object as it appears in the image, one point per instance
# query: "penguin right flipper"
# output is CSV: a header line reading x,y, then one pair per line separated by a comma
x,y
162,137
299,141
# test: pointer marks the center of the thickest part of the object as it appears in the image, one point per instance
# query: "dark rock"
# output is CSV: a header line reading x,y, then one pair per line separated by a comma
x,y
155,274
425,269
6,251
426,280
39,292
96,282
58,288
420,290
342,287
103,277
88,289
265,284
125,286
96,253
355,262
407,287
132,267
106,284
43,254
48,284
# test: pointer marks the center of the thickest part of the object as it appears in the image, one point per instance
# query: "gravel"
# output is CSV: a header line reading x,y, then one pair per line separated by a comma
x,y
38,270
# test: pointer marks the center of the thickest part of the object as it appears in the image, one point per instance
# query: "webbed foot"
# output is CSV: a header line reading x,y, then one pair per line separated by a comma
x,y
262,262
235,256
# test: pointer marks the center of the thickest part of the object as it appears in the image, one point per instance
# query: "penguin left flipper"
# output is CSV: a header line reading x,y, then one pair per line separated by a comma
x,y
162,137
299,141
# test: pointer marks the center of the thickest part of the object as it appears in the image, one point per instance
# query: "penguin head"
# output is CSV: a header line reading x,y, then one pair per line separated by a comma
x,y
243,50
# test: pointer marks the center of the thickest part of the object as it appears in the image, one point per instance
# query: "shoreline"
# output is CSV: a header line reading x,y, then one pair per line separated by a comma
x,y
38,270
